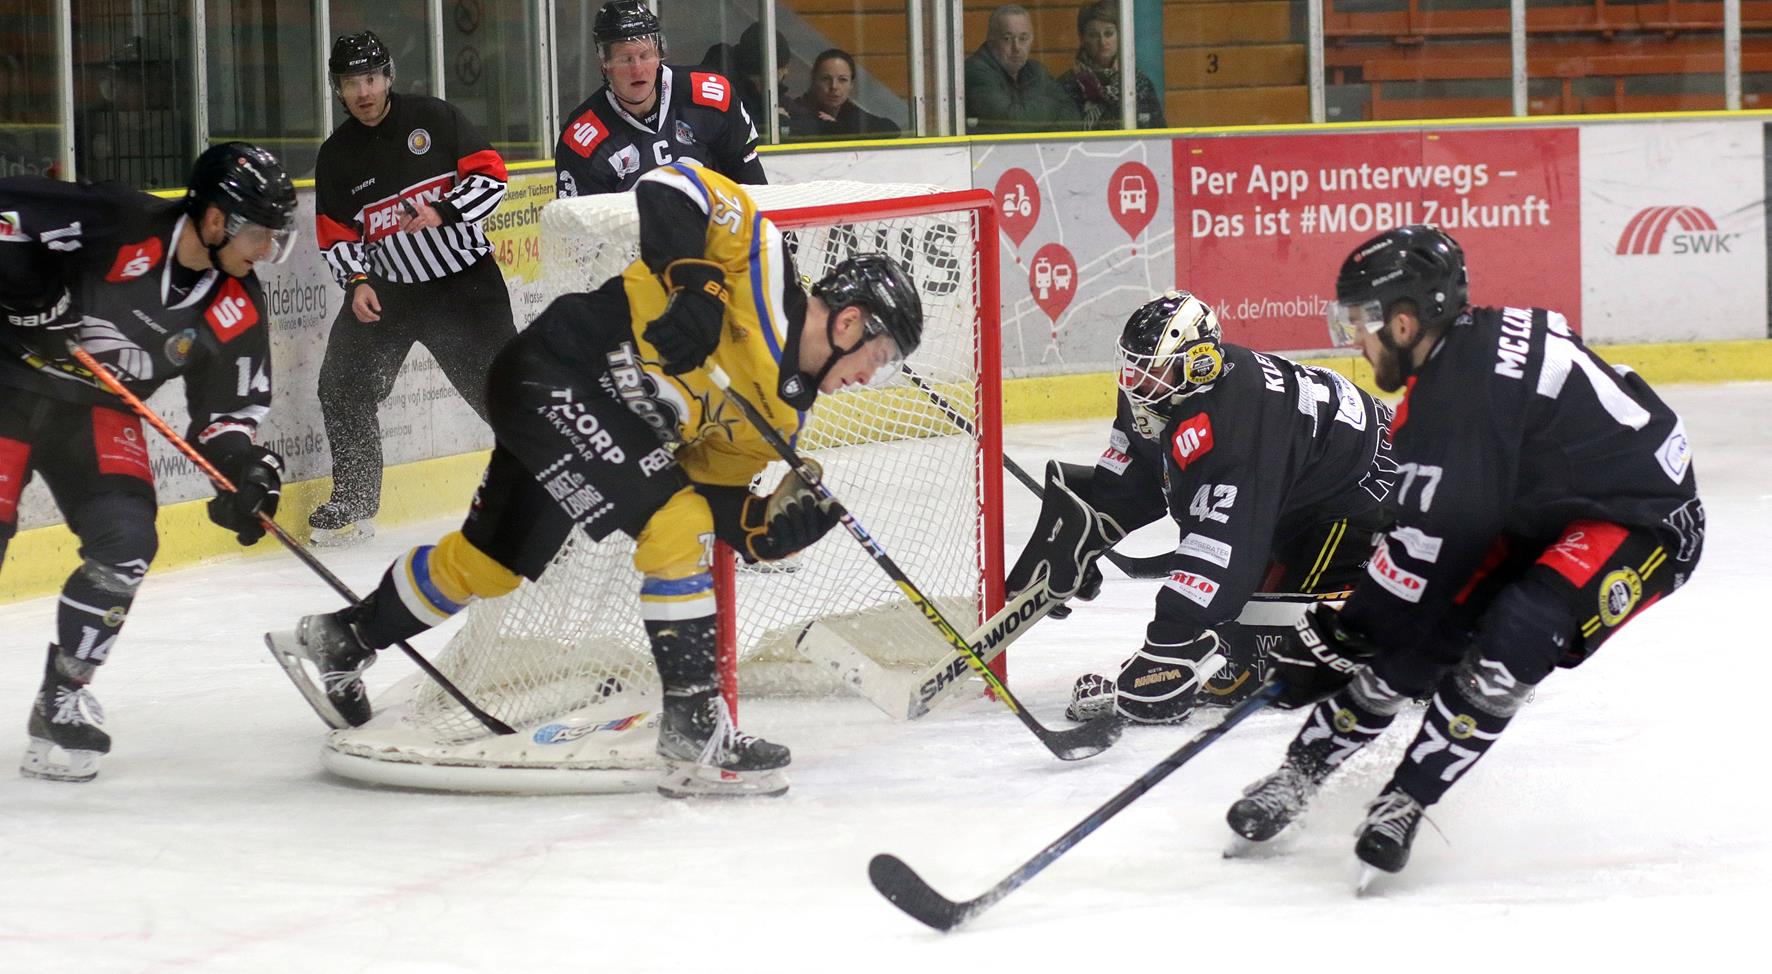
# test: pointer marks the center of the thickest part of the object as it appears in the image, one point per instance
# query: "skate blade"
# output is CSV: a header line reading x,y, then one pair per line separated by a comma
x,y
289,653
1241,848
75,766
354,533
687,780
1364,878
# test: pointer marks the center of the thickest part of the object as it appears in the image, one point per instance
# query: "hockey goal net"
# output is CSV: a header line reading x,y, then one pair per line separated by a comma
x,y
565,660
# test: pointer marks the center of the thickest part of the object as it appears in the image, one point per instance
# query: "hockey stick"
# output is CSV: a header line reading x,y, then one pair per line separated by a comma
x,y
1068,745
906,890
307,558
1151,566
908,696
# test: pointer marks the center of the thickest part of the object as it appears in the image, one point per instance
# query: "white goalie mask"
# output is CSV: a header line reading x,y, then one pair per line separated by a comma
x,y
1168,350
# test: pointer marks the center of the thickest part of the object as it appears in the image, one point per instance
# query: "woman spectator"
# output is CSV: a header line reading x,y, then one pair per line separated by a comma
x,y
1094,82
825,111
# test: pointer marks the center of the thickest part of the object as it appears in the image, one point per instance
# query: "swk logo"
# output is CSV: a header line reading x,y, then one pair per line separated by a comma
x,y
135,260
1674,230
232,311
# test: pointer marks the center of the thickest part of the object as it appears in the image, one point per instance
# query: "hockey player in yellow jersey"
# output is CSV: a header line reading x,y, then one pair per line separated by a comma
x,y
607,420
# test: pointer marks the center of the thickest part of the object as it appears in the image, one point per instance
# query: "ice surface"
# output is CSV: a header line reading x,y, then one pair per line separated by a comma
x,y
1620,823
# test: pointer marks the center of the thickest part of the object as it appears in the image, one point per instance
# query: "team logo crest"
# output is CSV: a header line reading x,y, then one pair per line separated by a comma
x,y
1461,727
1619,593
418,142
685,134
1204,363
178,346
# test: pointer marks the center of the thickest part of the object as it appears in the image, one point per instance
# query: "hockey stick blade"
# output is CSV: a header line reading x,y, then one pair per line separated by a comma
x,y
906,890
903,888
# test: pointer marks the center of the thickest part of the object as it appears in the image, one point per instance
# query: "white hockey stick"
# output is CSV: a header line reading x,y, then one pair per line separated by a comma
x,y
908,696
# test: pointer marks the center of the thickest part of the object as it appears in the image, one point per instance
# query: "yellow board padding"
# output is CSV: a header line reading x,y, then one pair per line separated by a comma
x,y
39,560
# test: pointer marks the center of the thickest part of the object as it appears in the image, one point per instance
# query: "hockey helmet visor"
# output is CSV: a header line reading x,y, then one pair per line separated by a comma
x,y
1348,319
255,238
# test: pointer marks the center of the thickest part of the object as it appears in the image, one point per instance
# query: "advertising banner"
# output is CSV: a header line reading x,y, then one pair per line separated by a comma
x,y
1673,244
1087,237
1265,221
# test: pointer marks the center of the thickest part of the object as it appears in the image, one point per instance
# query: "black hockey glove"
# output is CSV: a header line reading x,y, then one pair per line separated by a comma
x,y
257,474
790,519
689,329
54,311
1068,539
1318,658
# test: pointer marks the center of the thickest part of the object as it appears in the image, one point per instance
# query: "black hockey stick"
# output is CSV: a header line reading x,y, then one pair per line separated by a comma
x,y
906,890
1150,566
1070,744
222,483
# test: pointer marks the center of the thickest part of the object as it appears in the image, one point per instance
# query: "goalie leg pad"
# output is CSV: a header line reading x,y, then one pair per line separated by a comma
x,y
1160,684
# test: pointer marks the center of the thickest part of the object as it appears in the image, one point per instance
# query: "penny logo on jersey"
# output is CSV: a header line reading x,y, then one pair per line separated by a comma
x,y
383,217
1674,230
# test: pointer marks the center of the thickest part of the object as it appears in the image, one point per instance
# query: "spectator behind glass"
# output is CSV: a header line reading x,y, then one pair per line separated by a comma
x,y
826,110
748,77
1094,82
1008,91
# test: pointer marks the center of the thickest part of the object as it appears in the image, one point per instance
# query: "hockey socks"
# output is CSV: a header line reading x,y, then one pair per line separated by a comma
x,y
707,755
1470,709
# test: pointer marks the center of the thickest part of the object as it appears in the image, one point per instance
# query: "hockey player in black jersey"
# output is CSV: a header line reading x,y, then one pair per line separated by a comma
x,y
152,289
649,113
1276,473
1544,500
401,189
608,419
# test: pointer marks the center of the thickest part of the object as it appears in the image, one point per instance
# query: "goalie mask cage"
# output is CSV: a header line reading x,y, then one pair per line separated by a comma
x,y
565,660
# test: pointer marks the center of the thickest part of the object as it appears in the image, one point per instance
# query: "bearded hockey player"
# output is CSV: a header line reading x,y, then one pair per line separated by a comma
x,y
649,113
607,420
152,289
1276,473
1545,499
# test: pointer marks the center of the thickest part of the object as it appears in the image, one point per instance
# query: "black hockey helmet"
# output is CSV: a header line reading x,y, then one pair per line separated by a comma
x,y
359,53
878,285
1167,347
1417,263
625,20
250,186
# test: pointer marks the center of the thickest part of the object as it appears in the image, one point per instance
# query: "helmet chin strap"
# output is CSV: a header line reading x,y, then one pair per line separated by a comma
x,y
215,260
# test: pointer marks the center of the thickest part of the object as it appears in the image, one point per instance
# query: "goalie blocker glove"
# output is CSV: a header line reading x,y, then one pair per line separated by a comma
x,y
257,475
1319,658
1068,539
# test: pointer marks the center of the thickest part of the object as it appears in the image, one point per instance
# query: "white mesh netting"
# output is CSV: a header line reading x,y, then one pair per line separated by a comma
x,y
565,660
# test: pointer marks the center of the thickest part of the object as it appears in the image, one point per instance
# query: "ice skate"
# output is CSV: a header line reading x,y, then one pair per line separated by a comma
x,y
65,726
336,658
1271,804
707,756
335,525
1386,835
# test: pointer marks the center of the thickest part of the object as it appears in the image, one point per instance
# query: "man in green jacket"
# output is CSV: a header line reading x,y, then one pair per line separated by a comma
x,y
1006,91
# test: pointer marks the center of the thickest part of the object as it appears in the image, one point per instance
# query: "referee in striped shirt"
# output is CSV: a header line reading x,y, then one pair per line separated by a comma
x,y
401,188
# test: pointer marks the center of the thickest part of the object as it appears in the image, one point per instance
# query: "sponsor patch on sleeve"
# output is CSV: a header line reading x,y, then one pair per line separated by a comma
x,y
584,133
1196,588
1421,547
1193,440
1405,585
136,259
1675,454
711,90
231,312
1113,460
1206,549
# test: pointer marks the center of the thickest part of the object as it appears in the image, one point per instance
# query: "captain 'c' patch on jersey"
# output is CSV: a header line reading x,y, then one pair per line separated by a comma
x,y
1193,440
710,90
232,312
134,260
584,133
